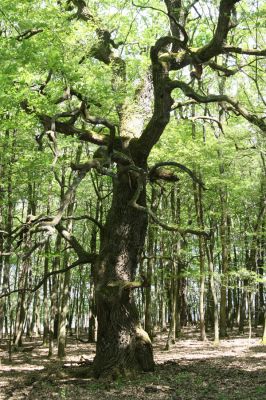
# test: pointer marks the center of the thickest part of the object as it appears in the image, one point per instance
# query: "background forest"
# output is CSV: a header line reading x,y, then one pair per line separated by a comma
x,y
75,79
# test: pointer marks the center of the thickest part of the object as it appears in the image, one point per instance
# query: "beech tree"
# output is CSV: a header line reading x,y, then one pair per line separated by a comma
x,y
60,99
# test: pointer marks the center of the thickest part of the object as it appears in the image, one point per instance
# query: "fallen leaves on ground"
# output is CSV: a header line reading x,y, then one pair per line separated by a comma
x,y
190,370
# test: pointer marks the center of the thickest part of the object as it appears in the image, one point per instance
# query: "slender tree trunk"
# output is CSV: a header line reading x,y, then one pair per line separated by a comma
x,y
243,303
261,292
92,314
178,312
92,305
148,300
5,260
24,300
45,298
62,333
264,329
54,300
249,300
21,306
214,293
223,223
224,243
35,321
200,221
184,313
202,292
162,298
173,295
209,315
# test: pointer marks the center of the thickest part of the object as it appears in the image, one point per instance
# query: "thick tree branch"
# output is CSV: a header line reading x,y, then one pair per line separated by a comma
x,y
176,228
212,98
169,227
162,101
163,174
239,50
208,118
29,33
68,197
221,68
83,11
162,64
103,49
215,46
180,104
178,165
173,20
33,248
70,130
100,121
47,80
74,243
101,165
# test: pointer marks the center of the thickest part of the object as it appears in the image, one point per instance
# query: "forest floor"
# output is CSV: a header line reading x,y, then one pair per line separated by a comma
x,y
190,370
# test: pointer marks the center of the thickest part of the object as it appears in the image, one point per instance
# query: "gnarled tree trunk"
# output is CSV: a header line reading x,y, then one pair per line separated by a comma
x,y
122,344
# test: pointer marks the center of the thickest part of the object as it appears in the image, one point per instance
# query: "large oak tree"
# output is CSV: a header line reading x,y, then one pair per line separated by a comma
x,y
124,147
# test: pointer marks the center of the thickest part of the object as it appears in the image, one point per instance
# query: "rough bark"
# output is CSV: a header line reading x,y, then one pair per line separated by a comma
x,y
209,252
150,262
122,344
45,298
